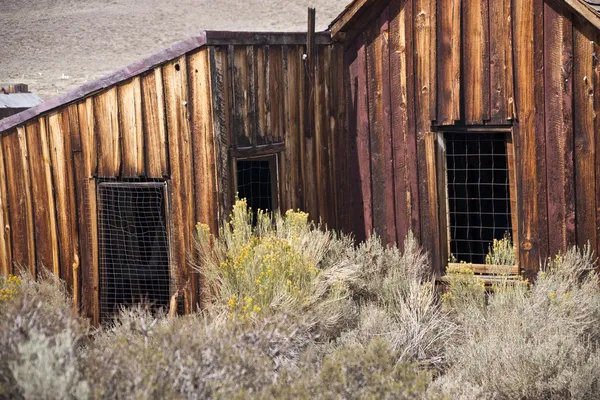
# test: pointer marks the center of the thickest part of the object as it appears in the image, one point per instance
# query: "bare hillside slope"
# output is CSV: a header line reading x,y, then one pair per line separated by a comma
x,y
56,45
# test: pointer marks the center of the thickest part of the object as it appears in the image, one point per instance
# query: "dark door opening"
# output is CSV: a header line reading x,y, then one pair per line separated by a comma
x,y
133,246
257,183
479,192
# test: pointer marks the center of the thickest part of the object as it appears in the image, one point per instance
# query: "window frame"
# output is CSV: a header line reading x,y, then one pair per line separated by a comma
x,y
444,206
274,170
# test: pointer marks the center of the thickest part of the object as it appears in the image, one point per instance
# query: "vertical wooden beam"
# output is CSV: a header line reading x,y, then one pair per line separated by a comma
x,y
106,125
131,127
154,124
43,197
558,80
5,242
530,152
29,217
180,159
448,65
310,73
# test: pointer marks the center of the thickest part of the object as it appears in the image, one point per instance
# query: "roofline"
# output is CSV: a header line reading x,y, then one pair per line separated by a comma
x,y
354,10
205,38
586,11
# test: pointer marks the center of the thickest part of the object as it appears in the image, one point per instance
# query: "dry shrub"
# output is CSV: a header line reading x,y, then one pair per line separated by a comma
x,y
39,338
530,342
398,302
283,265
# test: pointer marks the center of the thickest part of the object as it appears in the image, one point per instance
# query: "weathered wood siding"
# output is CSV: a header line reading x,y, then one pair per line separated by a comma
x,y
183,121
155,126
415,66
259,108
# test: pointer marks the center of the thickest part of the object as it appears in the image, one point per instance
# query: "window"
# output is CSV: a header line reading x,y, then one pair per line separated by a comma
x,y
480,194
133,246
257,182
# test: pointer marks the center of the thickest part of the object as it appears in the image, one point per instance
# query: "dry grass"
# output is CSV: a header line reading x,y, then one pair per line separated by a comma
x,y
356,322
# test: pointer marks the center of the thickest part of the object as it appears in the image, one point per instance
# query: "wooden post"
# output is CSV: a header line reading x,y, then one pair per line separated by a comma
x,y
310,74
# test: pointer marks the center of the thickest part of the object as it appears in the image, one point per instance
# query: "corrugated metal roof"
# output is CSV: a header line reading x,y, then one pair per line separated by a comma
x,y
19,100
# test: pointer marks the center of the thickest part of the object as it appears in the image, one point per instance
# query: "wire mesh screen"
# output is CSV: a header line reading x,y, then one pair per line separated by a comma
x,y
133,246
478,193
255,183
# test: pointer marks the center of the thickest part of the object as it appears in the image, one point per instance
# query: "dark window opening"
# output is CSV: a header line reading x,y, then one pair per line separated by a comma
x,y
133,246
479,193
257,182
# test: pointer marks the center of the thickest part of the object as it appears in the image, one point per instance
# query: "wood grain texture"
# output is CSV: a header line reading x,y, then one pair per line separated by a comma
x,y
360,100
106,131
5,239
500,63
154,124
378,72
339,138
59,133
275,105
475,61
321,140
28,199
558,67
85,161
43,197
220,100
242,116
530,155
131,127
73,118
448,63
16,200
180,159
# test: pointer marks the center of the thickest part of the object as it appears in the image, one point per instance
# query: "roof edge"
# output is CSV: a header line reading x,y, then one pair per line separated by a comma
x,y
205,38
584,10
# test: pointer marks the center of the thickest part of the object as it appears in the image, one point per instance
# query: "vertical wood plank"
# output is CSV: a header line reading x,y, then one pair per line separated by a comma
x,y
436,252
242,116
364,228
180,159
43,197
60,154
499,33
558,62
448,62
106,125
154,124
475,61
5,242
29,217
131,127
73,118
530,154
16,200
260,77
321,138
339,137
423,27
83,145
220,100
276,101
203,140
380,129
292,57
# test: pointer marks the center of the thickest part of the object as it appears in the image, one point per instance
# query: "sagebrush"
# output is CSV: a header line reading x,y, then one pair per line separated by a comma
x,y
298,311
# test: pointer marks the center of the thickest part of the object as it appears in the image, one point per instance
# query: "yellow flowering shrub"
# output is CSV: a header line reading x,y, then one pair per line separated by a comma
x,y
501,252
270,267
463,285
9,287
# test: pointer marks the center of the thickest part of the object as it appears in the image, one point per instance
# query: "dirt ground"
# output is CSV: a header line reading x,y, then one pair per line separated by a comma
x,y
56,45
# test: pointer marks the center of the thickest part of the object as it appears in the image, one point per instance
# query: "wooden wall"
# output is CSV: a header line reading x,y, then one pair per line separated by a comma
x,y
184,121
415,66
262,97
158,125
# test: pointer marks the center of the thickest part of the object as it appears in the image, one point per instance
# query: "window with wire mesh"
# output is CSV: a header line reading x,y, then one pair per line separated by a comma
x,y
256,182
133,246
479,201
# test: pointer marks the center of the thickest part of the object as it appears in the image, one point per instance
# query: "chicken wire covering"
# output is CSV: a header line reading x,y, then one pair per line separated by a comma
x,y
133,246
254,183
478,193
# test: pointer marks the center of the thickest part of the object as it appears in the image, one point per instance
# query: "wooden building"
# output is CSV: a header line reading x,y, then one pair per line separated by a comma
x,y
15,98
459,120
